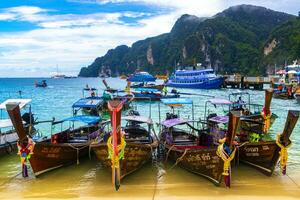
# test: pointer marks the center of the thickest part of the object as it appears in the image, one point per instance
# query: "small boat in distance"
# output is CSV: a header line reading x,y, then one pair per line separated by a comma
x,y
195,79
57,75
43,84
142,94
141,77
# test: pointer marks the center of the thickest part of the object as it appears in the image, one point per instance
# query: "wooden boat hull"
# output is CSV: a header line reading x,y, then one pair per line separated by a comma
x,y
261,155
250,127
283,96
204,162
49,156
135,156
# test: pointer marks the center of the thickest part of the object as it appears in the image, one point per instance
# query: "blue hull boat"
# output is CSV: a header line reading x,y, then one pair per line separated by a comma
x,y
153,97
195,79
142,94
209,84
141,77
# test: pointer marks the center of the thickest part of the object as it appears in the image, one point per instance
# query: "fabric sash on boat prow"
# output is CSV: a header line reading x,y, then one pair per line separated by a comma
x,y
283,140
225,150
268,99
115,108
266,112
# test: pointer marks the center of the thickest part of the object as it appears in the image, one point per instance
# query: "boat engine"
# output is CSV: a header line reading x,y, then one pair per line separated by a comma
x,y
133,113
171,116
27,118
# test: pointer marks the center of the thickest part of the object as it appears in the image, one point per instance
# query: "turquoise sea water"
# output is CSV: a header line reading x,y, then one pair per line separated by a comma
x,y
57,98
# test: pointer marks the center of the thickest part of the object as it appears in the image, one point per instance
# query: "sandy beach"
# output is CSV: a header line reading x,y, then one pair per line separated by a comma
x,y
247,183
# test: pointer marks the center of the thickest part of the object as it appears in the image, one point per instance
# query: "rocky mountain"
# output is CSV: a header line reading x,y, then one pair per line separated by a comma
x,y
283,44
245,39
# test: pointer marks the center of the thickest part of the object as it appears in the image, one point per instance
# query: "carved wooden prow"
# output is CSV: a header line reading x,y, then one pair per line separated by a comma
x,y
14,113
234,118
115,108
268,100
290,123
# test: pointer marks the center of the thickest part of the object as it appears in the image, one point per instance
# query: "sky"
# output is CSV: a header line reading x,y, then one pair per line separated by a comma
x,y
37,37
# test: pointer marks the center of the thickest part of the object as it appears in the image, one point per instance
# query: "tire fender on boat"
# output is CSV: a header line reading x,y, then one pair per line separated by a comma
x,y
9,148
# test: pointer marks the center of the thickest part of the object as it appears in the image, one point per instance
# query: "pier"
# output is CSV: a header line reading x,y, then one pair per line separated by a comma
x,y
247,82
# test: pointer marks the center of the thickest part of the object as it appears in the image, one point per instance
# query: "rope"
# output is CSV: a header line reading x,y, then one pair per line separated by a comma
x,y
77,150
238,152
283,154
169,152
179,159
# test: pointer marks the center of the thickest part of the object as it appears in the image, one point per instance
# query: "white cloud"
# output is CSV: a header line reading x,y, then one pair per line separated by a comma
x,y
73,41
70,41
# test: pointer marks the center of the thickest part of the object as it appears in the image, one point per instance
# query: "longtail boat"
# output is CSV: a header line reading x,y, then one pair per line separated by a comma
x,y
256,120
198,150
42,84
254,111
63,148
254,148
283,91
264,154
125,150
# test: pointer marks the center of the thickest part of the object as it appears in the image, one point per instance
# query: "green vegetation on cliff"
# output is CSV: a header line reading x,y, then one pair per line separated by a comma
x,y
235,40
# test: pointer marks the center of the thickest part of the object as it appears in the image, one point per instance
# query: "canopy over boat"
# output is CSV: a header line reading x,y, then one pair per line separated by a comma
x,y
174,122
135,118
141,77
90,102
87,119
146,90
176,102
22,103
220,101
220,119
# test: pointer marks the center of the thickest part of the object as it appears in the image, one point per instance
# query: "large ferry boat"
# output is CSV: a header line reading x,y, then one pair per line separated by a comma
x,y
196,79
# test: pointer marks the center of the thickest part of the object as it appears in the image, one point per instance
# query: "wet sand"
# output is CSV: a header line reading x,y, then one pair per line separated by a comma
x,y
90,181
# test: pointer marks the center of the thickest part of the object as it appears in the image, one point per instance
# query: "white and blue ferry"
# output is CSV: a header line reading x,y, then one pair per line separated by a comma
x,y
195,79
